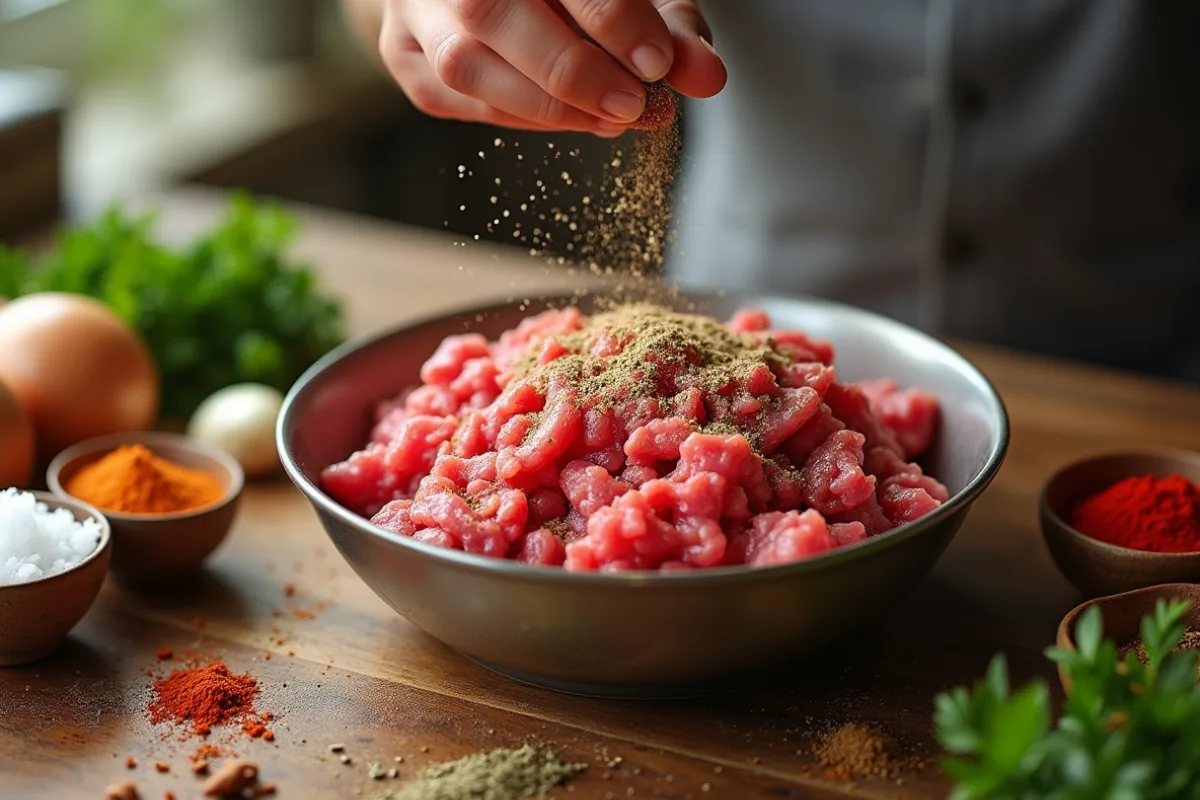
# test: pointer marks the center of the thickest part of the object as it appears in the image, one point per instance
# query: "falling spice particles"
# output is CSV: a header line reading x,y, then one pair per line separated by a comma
x,y
621,226
526,772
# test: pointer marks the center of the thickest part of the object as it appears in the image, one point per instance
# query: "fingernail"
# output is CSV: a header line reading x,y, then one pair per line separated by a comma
x,y
710,47
651,62
625,106
609,130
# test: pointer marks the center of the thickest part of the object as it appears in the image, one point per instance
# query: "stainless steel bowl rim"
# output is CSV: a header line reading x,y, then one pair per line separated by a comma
x,y
697,577
76,505
1116,455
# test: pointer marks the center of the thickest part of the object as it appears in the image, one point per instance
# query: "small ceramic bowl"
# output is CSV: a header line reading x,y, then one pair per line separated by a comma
x,y
160,549
1098,568
1122,615
37,615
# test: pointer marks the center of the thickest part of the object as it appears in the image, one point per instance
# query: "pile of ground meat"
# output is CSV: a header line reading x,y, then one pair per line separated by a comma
x,y
642,439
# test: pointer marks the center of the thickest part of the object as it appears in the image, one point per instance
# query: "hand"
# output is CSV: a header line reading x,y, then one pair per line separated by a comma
x,y
546,64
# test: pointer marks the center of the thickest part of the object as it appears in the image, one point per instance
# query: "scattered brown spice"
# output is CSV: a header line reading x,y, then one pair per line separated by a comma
x,y
232,780
165,654
168,796
860,750
122,791
303,614
199,767
130,762
162,766
289,590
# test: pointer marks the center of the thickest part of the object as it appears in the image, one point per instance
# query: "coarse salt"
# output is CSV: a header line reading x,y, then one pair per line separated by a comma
x,y
36,542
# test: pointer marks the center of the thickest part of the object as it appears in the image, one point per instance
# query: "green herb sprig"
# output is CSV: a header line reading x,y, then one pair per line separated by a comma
x,y
1128,731
227,308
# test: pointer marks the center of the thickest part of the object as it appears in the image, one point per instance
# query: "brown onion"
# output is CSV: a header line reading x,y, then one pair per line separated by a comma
x,y
76,368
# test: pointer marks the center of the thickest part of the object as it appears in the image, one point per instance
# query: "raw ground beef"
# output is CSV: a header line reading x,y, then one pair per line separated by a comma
x,y
642,439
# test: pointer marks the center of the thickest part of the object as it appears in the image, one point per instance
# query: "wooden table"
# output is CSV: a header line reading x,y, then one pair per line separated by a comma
x,y
339,666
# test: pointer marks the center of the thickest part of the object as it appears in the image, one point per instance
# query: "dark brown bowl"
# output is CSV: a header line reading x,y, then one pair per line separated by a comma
x,y
160,549
36,616
1098,568
1122,615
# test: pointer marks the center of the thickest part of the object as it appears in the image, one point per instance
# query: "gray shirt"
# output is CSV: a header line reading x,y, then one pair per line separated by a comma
x,y
1022,172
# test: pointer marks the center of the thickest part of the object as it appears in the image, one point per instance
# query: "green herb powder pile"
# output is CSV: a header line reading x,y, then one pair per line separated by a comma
x,y
526,772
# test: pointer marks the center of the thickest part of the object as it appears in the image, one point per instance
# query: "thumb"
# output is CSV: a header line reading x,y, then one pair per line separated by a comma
x,y
698,71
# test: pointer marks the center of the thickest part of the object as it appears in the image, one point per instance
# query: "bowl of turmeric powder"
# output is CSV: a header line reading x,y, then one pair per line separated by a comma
x,y
171,501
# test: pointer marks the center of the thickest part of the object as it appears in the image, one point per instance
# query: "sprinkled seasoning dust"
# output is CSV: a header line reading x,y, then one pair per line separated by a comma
x,y
857,750
645,350
513,774
611,222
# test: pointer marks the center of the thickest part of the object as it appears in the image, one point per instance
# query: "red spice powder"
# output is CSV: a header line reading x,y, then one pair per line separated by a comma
x,y
205,751
1144,513
165,654
204,697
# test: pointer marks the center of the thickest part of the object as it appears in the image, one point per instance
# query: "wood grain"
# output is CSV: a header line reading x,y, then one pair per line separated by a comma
x,y
339,666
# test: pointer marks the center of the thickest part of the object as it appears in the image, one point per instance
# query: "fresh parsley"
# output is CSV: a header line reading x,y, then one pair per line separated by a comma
x,y
226,308
1128,731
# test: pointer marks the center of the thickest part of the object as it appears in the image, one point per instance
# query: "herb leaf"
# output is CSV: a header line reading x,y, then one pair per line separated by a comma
x,y
1128,730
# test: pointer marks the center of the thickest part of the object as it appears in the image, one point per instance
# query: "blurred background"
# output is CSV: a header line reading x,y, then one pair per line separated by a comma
x,y
102,100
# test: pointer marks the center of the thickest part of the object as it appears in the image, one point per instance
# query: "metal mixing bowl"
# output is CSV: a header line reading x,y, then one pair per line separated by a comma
x,y
644,634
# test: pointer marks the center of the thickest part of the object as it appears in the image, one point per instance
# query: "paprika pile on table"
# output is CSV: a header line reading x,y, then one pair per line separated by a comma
x,y
1144,513
208,696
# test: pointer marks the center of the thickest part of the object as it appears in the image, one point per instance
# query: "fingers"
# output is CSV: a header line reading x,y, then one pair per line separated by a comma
x,y
697,70
540,45
630,30
472,83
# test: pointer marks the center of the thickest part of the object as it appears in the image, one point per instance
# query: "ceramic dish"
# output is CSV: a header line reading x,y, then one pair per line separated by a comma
x,y
1122,614
37,615
643,634
1098,568
161,548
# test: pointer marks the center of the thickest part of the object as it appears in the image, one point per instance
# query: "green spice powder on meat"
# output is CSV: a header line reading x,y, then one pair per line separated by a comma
x,y
526,772
654,338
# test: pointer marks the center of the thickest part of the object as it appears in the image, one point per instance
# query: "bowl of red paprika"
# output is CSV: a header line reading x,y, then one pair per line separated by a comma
x,y
1119,522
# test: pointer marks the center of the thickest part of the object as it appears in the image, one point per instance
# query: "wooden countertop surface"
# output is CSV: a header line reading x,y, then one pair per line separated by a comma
x,y
338,665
